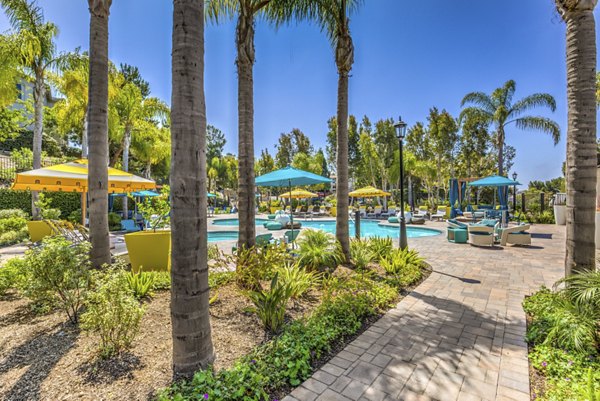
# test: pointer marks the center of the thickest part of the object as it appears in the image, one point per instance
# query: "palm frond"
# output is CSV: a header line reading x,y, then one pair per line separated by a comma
x,y
539,124
532,101
218,10
23,15
583,288
476,113
479,99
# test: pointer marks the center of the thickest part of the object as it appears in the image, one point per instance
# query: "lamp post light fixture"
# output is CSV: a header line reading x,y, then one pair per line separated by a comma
x,y
514,177
400,127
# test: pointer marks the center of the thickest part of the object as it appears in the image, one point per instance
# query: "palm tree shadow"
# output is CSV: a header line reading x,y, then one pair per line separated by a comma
x,y
104,371
463,279
40,355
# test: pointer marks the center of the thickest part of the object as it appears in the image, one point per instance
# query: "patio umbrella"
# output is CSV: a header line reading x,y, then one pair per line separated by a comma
x,y
287,177
368,192
496,181
298,194
73,177
211,195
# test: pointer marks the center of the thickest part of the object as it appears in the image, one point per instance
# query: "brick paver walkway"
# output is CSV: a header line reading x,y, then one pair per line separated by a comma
x,y
458,336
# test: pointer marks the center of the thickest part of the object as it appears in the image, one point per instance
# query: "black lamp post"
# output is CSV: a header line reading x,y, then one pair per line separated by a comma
x,y
514,177
400,127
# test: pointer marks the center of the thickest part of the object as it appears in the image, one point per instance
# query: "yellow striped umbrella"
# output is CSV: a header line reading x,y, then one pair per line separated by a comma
x,y
299,194
73,177
368,192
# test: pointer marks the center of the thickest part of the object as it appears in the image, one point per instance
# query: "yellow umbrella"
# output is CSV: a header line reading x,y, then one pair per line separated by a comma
x,y
368,192
73,177
299,194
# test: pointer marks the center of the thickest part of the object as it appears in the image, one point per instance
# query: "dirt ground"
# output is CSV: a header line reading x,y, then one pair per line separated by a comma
x,y
43,357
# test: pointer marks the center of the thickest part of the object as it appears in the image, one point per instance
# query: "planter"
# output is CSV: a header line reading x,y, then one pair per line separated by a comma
x,y
333,211
597,230
274,209
560,214
38,230
149,250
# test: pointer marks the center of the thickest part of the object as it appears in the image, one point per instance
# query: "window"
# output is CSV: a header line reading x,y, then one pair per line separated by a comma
x,y
20,91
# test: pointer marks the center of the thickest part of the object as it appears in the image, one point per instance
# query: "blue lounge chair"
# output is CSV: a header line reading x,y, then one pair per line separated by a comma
x,y
129,226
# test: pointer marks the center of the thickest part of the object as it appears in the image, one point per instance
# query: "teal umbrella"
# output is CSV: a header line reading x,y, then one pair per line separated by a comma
x,y
494,181
288,177
211,195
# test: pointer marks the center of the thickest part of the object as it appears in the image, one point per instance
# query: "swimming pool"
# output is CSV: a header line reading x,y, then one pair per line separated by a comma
x,y
216,236
235,222
368,228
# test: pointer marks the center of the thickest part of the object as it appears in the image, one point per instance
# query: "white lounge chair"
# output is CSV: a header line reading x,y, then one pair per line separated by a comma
x,y
481,235
376,213
390,212
516,235
441,213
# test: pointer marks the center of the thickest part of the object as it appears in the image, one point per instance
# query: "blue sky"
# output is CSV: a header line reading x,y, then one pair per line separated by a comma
x,y
409,56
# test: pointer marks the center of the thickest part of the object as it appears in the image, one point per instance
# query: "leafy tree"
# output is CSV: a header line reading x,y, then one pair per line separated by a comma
x,y
265,164
215,142
553,186
36,55
132,75
9,69
291,144
498,109
353,148
322,161
368,168
581,139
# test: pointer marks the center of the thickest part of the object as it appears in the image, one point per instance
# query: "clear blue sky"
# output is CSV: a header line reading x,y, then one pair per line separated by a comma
x,y
409,56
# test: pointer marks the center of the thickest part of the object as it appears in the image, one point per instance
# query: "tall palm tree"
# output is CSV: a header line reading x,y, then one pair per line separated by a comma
x,y
98,131
37,55
333,18
581,134
498,109
192,344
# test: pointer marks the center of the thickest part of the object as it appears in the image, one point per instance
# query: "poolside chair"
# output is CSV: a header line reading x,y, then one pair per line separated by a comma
x,y
375,213
129,226
390,212
516,235
363,211
481,235
440,214
260,241
289,237
318,211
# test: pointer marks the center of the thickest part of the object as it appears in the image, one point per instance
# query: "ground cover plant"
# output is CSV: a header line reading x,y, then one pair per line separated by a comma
x,y
564,338
13,226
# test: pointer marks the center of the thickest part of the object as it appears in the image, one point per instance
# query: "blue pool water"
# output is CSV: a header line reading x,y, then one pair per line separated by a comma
x,y
216,236
367,228
235,222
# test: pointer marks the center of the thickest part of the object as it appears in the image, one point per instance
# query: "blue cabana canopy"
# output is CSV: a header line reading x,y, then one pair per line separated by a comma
x,y
289,176
143,194
211,195
494,181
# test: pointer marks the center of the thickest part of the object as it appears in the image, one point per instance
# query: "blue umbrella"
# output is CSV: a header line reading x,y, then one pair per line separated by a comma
x,y
143,194
211,195
288,176
494,181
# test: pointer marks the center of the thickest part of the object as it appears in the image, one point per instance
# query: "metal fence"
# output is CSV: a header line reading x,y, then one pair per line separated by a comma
x,y
11,164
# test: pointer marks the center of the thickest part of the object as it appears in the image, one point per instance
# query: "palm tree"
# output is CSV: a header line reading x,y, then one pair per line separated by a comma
x,y
192,344
333,18
498,109
37,54
98,131
581,136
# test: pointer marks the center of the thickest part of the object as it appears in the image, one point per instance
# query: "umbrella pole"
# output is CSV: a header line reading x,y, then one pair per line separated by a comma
x,y
83,207
291,214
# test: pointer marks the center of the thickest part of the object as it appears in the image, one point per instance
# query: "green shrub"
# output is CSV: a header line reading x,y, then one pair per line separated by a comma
x,y
270,304
114,221
46,211
218,279
213,252
12,213
58,271
11,275
75,217
318,249
360,253
66,202
403,265
141,284
254,265
13,226
297,279
161,281
112,312
381,247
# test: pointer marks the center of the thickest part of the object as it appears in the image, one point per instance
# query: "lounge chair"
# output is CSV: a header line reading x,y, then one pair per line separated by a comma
x,y
260,241
481,235
516,235
363,211
317,211
129,226
289,237
376,213
440,214
390,212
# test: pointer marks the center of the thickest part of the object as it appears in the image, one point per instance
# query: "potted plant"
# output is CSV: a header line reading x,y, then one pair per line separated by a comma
x,y
150,250
560,208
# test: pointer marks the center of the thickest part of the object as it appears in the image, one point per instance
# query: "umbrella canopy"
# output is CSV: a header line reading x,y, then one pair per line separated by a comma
x,y
143,194
211,195
286,177
494,181
299,194
73,177
368,192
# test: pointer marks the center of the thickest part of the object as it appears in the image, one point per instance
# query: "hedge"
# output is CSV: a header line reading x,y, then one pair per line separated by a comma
x,y
66,202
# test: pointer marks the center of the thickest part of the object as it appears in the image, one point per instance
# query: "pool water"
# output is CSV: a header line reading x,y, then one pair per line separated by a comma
x,y
216,236
367,228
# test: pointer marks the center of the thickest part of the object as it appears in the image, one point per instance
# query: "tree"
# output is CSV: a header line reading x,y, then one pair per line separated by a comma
x,y
333,18
499,109
192,344
98,131
132,74
265,164
215,142
443,136
9,69
37,54
246,12
291,144
581,134
353,146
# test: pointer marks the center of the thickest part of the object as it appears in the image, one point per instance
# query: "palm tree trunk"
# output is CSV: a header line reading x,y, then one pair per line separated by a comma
x,y
126,146
245,63
192,343
342,228
98,132
500,151
84,137
581,141
39,91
